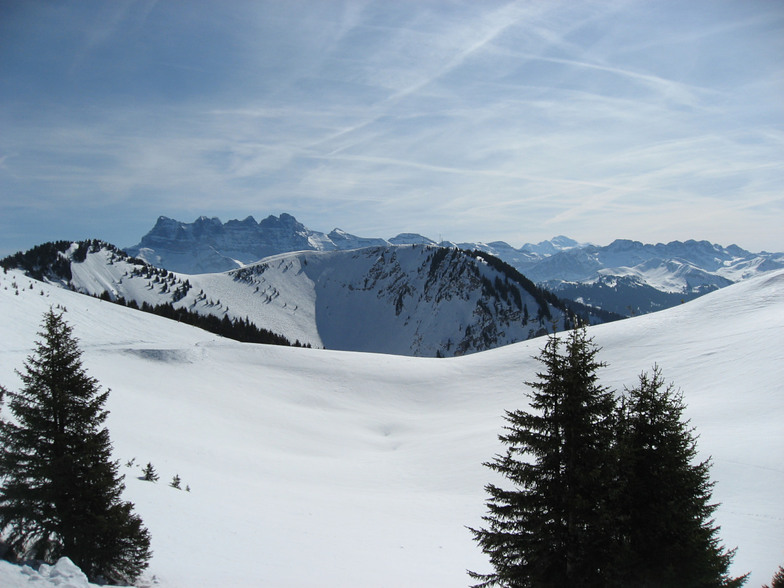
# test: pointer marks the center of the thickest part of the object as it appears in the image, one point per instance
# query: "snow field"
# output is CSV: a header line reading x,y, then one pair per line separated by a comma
x,y
323,468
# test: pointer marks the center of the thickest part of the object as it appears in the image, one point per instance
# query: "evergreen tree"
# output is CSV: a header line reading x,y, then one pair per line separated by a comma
x,y
61,491
668,536
605,494
149,474
555,527
778,579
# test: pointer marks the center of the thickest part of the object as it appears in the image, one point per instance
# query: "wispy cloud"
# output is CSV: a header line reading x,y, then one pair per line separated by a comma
x,y
476,120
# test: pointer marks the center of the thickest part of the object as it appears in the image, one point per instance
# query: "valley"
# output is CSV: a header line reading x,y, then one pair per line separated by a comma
x,y
367,467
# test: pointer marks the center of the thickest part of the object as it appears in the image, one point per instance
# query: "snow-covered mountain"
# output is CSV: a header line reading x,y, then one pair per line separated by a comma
x,y
551,246
416,300
315,468
209,246
625,277
630,277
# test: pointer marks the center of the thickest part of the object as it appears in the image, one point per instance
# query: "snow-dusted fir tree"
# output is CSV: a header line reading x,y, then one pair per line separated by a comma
x,y
667,535
553,528
61,491
149,474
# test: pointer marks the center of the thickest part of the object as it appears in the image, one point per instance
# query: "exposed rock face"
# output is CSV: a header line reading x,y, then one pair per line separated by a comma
x,y
207,245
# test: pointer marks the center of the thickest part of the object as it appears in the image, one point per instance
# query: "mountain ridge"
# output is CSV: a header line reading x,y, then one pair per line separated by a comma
x,y
625,277
419,300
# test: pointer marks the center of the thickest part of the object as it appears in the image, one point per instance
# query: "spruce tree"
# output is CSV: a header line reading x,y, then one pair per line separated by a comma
x,y
554,528
778,579
61,491
149,474
668,538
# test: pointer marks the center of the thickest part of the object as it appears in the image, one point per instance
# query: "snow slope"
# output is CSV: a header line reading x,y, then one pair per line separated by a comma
x,y
323,468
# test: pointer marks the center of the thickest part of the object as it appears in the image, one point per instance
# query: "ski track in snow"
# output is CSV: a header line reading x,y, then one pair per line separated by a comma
x,y
321,468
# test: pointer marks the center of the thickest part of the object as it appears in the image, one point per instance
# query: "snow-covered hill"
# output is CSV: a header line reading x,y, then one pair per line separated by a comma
x,y
407,300
625,277
323,468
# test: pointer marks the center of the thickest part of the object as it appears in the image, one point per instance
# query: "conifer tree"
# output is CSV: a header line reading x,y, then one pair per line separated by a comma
x,y
668,538
149,474
61,492
554,528
605,494
778,579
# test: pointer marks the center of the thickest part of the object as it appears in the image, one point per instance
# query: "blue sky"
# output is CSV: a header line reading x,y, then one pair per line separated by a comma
x,y
466,120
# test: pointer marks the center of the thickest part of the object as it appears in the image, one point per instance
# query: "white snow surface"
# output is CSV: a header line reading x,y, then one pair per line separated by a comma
x,y
322,468
63,574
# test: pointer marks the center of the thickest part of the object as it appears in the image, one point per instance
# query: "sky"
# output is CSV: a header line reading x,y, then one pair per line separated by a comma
x,y
459,120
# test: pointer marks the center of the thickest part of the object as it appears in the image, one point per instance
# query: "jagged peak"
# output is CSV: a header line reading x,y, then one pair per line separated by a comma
x,y
165,221
214,220
285,220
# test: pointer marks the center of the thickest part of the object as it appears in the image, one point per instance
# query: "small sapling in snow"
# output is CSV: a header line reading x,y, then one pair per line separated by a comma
x,y
149,474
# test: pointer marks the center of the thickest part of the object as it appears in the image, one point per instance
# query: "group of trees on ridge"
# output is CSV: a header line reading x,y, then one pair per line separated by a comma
x,y
541,295
513,283
238,329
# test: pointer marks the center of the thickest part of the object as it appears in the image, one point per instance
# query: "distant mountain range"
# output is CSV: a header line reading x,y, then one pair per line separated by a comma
x,y
624,277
